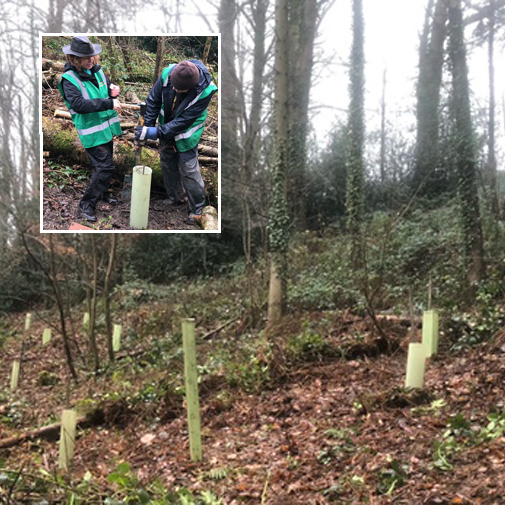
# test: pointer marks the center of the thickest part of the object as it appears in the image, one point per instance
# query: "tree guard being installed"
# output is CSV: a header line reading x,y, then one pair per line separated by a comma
x,y
141,190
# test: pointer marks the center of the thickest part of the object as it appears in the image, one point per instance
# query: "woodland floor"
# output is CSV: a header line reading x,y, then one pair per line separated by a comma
x,y
342,430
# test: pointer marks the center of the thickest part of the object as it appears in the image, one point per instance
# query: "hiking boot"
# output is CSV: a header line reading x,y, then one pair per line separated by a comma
x,y
89,214
168,202
191,218
107,198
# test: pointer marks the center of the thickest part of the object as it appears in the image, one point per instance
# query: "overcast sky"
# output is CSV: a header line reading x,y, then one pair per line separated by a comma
x,y
392,29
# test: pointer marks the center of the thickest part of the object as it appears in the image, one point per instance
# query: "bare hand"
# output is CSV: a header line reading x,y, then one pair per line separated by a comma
x,y
117,105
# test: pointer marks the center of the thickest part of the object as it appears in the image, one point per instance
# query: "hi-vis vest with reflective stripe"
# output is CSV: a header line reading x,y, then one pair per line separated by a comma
x,y
93,128
190,138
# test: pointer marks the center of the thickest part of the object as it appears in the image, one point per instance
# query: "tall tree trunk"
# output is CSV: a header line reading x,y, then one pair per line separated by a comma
x,y
251,140
383,129
55,16
491,175
59,302
356,168
92,315
159,58
278,216
427,170
302,31
465,148
230,109
230,112
106,295
91,279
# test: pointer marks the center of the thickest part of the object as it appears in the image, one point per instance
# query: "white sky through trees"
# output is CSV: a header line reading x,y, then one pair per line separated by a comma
x,y
392,30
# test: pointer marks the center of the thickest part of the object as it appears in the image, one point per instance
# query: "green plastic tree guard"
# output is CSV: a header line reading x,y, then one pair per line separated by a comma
x,y
28,321
116,338
141,191
85,321
46,336
430,332
416,362
16,366
67,437
191,383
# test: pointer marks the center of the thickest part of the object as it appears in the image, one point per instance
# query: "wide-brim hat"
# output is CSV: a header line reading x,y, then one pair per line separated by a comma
x,y
82,47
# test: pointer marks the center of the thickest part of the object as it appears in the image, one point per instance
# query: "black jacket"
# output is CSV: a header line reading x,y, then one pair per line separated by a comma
x,y
180,124
75,98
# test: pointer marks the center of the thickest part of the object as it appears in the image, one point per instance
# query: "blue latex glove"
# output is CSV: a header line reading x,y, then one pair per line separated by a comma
x,y
146,132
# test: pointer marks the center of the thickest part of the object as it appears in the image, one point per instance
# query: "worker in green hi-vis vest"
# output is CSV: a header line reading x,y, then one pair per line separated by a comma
x,y
91,99
179,101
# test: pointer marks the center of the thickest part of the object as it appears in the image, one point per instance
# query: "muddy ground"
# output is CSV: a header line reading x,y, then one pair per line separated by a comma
x,y
60,209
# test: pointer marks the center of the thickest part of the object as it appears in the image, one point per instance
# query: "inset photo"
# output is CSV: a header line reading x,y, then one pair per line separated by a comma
x,y
130,133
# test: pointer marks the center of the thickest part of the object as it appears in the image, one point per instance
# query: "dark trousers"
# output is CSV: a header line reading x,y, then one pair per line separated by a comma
x,y
103,168
181,170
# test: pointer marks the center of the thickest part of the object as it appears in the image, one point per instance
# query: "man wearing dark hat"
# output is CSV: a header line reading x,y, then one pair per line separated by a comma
x,y
179,101
90,98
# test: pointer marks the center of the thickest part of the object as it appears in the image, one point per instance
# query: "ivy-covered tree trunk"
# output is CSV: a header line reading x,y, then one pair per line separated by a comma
x,y
465,146
302,31
278,217
356,132
491,165
427,170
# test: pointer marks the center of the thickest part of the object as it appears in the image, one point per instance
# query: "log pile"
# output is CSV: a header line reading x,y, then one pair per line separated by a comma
x,y
60,139
208,219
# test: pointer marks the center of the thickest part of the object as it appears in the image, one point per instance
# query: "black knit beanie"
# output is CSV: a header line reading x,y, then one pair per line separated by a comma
x,y
185,75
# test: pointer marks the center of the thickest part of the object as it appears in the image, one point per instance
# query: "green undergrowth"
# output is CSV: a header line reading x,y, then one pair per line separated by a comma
x,y
121,486
59,175
462,434
406,262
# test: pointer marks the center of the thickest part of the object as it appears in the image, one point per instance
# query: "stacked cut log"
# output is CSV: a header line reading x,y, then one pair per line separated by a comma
x,y
51,73
208,220
125,123
60,139
57,66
